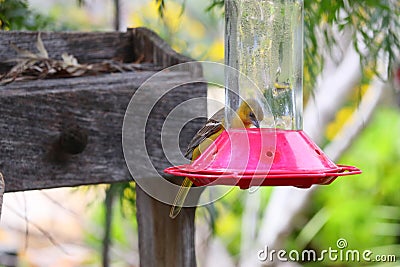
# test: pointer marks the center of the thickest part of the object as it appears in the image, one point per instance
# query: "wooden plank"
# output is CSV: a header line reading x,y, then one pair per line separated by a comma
x,y
35,114
86,47
136,45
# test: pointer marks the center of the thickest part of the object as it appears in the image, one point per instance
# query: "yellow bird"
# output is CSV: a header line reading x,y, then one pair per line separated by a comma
x,y
249,113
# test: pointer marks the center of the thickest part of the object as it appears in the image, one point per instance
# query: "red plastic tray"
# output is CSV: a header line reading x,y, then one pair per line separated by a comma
x,y
262,157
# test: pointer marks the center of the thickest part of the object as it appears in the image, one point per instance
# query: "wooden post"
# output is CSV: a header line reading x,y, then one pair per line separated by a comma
x,y
164,241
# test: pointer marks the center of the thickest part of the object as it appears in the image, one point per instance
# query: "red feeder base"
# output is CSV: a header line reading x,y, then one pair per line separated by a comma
x,y
262,157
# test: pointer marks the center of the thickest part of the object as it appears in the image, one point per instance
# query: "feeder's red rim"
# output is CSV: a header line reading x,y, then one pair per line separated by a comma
x,y
189,169
343,170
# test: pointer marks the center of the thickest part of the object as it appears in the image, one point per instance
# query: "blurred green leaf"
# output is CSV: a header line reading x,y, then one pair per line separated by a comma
x,y
17,15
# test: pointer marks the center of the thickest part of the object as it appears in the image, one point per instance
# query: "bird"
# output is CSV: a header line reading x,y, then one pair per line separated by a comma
x,y
249,113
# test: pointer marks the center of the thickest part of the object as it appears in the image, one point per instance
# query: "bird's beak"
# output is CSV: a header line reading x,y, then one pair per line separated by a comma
x,y
255,122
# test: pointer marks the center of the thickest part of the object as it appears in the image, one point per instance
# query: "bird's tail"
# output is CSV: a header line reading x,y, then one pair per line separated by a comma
x,y
180,198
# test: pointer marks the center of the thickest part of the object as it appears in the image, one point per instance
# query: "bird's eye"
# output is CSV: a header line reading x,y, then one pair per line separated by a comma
x,y
252,115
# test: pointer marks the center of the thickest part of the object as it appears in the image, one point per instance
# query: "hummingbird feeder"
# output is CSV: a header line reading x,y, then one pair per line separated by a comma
x,y
264,44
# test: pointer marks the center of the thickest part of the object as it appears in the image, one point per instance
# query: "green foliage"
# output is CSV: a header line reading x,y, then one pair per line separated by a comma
x,y
161,7
375,25
364,209
215,4
127,198
16,15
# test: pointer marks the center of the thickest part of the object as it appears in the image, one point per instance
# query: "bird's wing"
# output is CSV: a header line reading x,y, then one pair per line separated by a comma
x,y
213,125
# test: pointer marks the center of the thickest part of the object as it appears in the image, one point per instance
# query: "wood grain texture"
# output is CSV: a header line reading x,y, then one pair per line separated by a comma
x,y
86,47
34,114
139,45
164,242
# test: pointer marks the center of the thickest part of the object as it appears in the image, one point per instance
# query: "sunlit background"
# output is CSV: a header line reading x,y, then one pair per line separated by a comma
x,y
64,227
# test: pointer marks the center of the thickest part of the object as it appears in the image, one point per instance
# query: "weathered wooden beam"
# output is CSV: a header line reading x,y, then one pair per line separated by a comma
x,y
86,47
35,115
139,45
39,117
